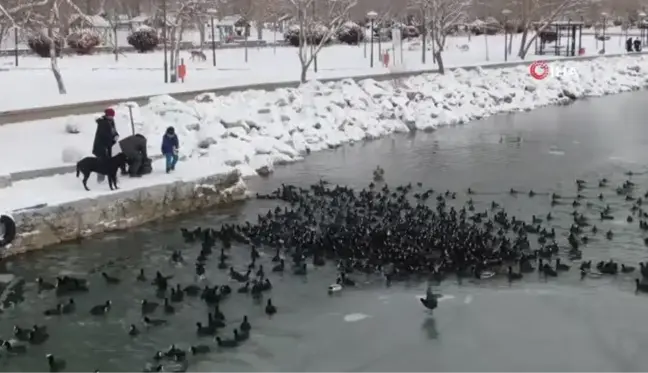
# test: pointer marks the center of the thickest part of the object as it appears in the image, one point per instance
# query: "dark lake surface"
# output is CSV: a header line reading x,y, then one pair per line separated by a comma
x,y
561,324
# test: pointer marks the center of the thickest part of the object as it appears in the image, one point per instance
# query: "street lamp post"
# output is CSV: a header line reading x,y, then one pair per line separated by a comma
x,y
164,37
424,35
604,15
16,44
506,14
372,16
642,18
315,30
212,13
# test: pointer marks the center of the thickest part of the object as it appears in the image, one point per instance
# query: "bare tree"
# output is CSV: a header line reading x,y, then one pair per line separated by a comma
x,y
48,20
317,30
180,15
445,15
12,13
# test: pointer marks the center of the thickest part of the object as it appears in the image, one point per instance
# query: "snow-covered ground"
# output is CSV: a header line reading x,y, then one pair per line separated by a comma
x,y
255,128
100,77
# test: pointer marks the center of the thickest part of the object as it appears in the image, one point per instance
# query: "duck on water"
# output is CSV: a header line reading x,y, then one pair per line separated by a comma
x,y
400,233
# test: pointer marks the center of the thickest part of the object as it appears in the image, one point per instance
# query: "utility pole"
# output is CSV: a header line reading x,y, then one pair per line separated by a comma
x,y
164,36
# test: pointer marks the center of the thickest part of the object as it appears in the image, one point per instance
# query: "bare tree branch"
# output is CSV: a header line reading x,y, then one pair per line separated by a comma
x,y
317,28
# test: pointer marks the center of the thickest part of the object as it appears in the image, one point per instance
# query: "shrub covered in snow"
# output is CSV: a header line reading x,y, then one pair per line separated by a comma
x,y
617,22
315,36
72,128
410,32
350,33
292,35
83,41
71,155
40,44
144,39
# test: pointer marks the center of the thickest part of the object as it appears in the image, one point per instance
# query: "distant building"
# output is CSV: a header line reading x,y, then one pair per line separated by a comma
x,y
98,24
138,21
229,28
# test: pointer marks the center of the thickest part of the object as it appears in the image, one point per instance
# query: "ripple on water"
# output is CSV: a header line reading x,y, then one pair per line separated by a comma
x,y
354,317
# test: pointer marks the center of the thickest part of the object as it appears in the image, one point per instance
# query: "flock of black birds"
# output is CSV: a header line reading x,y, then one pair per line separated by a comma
x,y
401,233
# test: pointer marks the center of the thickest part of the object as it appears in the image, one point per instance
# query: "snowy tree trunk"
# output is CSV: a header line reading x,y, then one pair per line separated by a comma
x,y
116,43
3,33
171,36
303,59
201,32
439,60
175,54
245,43
525,36
510,43
486,46
304,72
55,67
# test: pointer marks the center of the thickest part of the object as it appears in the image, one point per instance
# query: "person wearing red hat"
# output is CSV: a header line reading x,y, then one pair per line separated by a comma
x,y
105,137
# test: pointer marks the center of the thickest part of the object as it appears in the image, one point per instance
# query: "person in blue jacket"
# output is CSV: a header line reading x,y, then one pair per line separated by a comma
x,y
170,146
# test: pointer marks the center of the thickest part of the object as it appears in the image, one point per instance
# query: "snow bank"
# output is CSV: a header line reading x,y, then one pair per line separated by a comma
x,y
253,129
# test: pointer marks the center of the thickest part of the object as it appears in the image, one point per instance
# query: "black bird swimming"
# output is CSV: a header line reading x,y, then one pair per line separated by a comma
x,y
58,310
148,307
69,307
101,309
245,325
55,365
241,336
270,309
110,279
430,301
226,343
205,331
168,308
14,348
154,322
43,285
512,276
199,349
133,331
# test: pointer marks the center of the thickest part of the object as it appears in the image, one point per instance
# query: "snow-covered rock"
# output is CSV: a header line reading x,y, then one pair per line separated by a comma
x,y
253,130
73,125
71,155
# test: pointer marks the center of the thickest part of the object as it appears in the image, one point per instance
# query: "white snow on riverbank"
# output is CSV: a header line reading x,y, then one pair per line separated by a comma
x,y
251,129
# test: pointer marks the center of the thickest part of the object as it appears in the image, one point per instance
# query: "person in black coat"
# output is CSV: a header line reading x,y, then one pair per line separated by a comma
x,y
629,45
637,45
134,147
105,137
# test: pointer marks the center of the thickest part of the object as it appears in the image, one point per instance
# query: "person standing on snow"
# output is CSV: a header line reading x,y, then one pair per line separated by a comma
x,y
105,137
170,146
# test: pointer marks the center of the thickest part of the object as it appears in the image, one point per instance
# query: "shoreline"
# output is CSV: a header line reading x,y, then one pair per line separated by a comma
x,y
50,225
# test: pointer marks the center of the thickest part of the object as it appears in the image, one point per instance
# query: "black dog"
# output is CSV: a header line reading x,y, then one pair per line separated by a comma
x,y
88,165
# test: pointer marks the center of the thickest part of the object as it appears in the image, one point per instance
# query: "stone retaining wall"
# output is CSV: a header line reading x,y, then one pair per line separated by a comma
x,y
41,227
